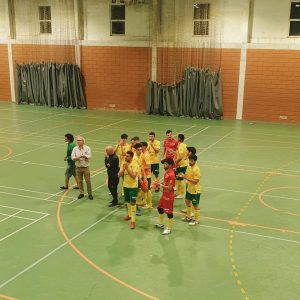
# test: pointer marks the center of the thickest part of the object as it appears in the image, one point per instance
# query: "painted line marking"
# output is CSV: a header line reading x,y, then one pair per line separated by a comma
x,y
53,251
22,228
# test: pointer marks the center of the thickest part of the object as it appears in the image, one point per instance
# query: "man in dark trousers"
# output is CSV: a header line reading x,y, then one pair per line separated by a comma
x,y
112,165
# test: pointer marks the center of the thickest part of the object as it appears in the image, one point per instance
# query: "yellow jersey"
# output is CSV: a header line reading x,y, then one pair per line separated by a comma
x,y
121,153
153,155
193,173
128,181
146,164
138,160
182,153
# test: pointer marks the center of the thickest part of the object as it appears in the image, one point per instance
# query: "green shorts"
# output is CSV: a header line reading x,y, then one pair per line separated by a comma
x,y
130,194
155,169
195,198
70,171
180,170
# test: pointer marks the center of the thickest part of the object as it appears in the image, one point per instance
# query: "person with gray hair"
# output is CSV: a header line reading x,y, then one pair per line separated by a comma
x,y
112,165
82,154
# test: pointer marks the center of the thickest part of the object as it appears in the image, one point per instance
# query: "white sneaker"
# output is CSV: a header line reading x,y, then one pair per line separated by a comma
x,y
193,223
166,231
160,226
179,197
186,219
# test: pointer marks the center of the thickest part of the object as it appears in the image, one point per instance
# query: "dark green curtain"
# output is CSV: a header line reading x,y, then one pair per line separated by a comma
x,y
50,84
198,95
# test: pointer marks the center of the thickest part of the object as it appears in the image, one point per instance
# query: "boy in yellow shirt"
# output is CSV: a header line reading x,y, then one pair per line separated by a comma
x,y
153,149
193,190
130,170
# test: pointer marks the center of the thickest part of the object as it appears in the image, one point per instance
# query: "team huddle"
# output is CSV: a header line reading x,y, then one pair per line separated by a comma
x,y
133,164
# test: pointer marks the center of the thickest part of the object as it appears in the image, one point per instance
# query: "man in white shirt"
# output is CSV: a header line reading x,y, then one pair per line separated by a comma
x,y
81,154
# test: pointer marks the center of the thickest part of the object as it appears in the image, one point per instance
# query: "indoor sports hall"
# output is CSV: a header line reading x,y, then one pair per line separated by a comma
x,y
224,74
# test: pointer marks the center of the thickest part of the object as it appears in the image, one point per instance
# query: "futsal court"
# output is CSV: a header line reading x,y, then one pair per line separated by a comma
x,y
54,246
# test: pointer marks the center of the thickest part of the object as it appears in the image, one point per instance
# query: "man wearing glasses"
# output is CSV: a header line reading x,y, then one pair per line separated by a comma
x,y
81,154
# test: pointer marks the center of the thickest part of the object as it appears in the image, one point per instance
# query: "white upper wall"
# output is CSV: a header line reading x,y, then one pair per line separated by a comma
x,y
229,22
271,21
4,21
97,21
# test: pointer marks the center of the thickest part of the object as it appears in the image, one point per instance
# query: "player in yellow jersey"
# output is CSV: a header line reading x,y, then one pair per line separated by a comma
x,y
153,149
193,190
138,158
146,166
121,148
129,170
181,166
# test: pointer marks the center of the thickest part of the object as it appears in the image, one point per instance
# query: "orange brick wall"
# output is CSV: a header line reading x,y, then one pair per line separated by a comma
x,y
171,63
38,53
116,76
4,75
272,85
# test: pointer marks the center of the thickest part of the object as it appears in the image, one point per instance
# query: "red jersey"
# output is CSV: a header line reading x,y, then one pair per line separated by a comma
x,y
167,199
170,146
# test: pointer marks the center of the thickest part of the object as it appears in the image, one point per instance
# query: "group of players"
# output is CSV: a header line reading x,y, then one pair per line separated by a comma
x,y
135,163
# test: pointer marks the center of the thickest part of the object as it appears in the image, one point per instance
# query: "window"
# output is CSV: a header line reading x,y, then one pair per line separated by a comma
x,y
117,15
295,19
201,19
45,19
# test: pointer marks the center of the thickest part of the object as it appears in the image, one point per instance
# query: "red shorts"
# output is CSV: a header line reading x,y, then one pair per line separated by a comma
x,y
166,203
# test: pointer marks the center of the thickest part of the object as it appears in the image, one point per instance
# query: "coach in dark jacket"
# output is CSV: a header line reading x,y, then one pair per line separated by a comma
x,y
112,165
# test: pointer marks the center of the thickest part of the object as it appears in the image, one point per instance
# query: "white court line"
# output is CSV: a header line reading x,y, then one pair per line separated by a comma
x,y
9,216
18,217
250,233
37,164
30,197
32,150
249,193
32,121
25,190
250,166
104,126
17,208
197,133
55,250
22,228
219,140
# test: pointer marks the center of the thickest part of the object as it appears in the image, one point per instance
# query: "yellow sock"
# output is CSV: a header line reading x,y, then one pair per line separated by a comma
x,y
188,211
176,186
149,198
139,197
161,218
170,223
129,209
133,210
197,214
181,187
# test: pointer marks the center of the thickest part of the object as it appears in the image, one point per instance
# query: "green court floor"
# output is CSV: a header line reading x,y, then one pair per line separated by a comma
x,y
54,246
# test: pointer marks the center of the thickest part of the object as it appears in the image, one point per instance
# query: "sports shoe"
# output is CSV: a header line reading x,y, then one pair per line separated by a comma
x,y
91,197
179,197
166,231
186,219
184,211
76,188
80,196
127,218
138,212
112,204
63,187
193,223
132,225
160,226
